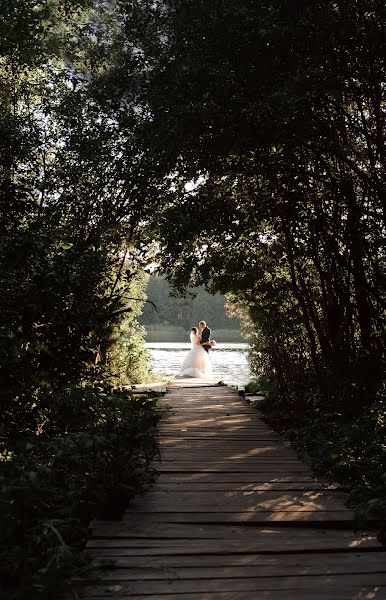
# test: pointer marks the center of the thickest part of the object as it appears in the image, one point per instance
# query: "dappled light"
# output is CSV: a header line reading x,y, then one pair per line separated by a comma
x,y
192,274
231,513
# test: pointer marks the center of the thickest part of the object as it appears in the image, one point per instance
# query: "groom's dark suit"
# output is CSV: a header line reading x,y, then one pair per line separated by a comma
x,y
205,337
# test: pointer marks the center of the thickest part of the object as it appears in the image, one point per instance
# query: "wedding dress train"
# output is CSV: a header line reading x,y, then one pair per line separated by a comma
x,y
197,362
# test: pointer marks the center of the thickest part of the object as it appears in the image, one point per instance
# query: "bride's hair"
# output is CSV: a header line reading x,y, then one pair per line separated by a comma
x,y
194,329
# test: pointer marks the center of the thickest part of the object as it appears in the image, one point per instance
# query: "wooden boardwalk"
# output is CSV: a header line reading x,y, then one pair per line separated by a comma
x,y
234,515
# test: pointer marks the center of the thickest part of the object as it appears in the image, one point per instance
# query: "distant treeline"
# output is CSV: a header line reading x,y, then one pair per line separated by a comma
x,y
178,315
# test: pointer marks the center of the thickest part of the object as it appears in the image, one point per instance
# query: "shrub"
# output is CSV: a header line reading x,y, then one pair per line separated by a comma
x,y
350,451
92,456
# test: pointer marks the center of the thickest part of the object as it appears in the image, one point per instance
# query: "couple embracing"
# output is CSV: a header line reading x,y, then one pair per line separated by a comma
x,y
197,362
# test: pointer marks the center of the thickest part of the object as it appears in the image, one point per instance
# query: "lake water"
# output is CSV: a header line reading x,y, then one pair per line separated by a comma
x,y
229,361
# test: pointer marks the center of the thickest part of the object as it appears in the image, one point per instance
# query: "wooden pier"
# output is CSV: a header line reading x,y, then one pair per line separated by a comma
x,y
234,515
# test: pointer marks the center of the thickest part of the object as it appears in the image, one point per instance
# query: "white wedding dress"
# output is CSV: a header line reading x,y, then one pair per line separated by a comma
x,y
197,362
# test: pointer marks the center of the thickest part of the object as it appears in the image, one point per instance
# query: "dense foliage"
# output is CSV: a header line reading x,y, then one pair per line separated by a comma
x,y
292,181
242,146
91,456
71,443
271,121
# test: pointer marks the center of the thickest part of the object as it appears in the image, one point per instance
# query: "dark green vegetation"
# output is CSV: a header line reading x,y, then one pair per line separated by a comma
x,y
175,316
346,451
91,455
72,444
277,112
108,110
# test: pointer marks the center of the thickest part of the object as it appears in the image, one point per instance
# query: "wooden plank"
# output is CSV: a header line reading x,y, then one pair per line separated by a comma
x,y
214,418
234,515
279,454
230,464
216,404
343,517
176,401
106,541
237,477
210,397
237,501
217,467
217,447
215,398
213,406
275,539
246,565
214,448
204,444
186,382
216,401
243,455
230,455
257,441
261,496
259,511
163,575
207,434
218,414
210,486
331,582
193,437
231,460
294,566
202,411
364,593
233,463
222,416
226,432
246,423
231,433
177,550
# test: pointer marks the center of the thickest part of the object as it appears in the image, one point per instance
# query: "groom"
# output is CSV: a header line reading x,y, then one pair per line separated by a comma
x,y
205,336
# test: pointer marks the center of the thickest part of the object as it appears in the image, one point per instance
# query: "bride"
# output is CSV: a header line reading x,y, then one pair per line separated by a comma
x,y
197,362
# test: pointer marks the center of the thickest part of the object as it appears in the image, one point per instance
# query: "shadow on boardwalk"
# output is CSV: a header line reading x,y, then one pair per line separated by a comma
x,y
234,515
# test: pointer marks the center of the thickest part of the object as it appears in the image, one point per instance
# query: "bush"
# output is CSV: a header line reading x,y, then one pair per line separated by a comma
x,y
129,359
260,384
92,457
350,451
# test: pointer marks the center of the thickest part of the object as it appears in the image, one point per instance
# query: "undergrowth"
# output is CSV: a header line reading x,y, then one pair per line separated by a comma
x,y
92,455
348,451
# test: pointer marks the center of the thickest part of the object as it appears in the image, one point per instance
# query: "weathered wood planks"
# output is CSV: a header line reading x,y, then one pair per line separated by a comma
x,y
234,515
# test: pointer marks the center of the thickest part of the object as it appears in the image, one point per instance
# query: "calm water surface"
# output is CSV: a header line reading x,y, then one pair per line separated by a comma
x,y
229,361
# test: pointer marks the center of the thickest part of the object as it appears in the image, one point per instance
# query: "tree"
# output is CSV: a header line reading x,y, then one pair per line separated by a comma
x,y
72,199
73,206
187,310
275,112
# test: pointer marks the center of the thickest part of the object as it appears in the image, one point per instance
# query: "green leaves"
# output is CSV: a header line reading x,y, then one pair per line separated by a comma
x,y
66,245
275,109
73,191
97,459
